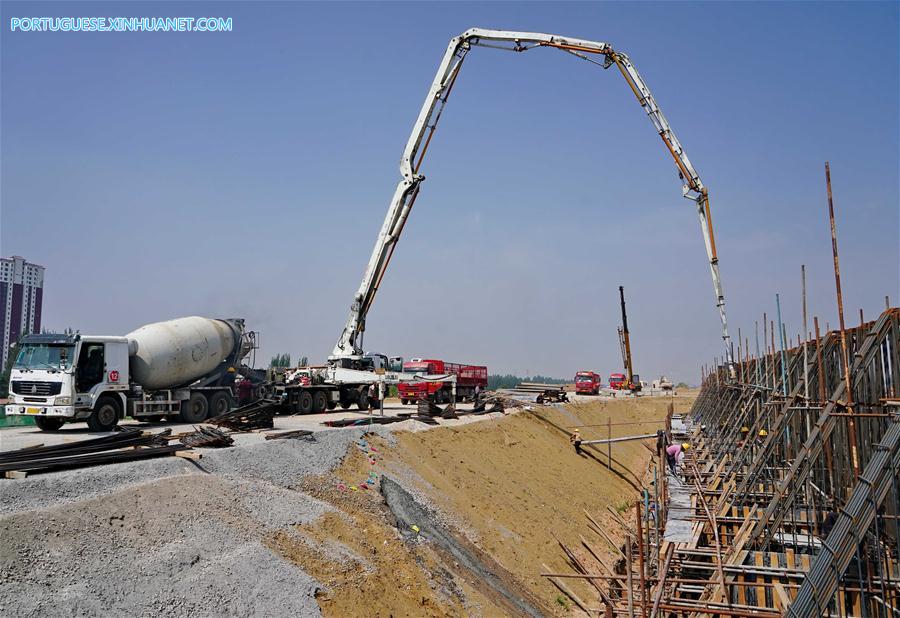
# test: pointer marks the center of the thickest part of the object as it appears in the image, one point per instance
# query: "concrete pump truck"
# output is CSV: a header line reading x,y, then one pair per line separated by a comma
x,y
348,351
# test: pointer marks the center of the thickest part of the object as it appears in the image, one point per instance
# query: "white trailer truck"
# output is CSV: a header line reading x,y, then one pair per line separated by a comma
x,y
183,367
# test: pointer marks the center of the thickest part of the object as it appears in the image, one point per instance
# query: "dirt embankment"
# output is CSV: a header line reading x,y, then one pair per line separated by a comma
x,y
507,487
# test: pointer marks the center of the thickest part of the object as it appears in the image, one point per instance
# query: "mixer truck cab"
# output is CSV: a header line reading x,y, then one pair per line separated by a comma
x,y
181,367
59,377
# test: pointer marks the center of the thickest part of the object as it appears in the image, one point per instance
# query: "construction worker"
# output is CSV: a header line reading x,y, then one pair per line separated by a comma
x,y
662,442
744,431
675,455
245,391
761,438
575,440
477,393
372,396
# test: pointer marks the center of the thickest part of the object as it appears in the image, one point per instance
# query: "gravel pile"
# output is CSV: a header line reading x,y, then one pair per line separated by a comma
x,y
43,490
165,537
187,545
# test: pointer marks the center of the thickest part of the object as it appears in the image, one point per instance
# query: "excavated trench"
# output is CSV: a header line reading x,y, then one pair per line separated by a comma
x,y
491,578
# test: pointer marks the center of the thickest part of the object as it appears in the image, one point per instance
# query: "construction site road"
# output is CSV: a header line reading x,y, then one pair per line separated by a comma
x,y
13,438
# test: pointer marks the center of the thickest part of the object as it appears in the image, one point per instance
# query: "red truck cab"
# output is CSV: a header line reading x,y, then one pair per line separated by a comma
x,y
467,378
587,383
617,381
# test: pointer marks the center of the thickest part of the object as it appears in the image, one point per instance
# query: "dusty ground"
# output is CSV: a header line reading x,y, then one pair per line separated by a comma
x,y
297,527
368,566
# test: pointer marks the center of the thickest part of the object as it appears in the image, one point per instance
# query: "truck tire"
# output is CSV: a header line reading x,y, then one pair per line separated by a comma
x,y
320,402
404,401
49,423
305,402
195,409
219,403
105,415
332,404
348,398
362,401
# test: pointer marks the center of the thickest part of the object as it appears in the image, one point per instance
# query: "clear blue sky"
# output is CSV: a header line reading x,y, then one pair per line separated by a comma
x,y
247,174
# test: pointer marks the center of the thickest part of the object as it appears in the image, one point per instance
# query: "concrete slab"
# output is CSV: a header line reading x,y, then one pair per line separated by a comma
x,y
679,511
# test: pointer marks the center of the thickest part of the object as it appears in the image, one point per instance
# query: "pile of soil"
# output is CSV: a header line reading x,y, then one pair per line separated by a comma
x,y
516,484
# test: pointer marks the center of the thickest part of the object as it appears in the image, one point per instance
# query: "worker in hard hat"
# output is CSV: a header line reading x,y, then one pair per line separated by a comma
x,y
761,438
744,432
575,440
675,455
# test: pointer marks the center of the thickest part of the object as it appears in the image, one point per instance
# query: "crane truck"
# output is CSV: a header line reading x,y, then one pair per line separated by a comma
x,y
178,368
348,351
468,377
633,382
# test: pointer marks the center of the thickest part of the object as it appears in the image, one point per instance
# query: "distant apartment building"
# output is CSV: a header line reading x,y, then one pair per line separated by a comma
x,y
21,297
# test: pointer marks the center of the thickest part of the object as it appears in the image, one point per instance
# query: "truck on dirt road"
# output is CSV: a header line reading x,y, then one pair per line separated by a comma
x,y
180,368
467,378
587,383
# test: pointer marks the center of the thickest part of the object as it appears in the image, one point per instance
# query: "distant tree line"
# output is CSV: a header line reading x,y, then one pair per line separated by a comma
x,y
284,360
509,381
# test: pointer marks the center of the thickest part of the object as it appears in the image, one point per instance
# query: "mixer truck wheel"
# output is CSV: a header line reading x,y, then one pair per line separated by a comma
x,y
194,410
362,401
219,403
305,402
105,415
320,402
49,423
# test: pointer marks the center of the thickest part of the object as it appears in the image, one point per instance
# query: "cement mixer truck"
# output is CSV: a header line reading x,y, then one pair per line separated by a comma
x,y
180,368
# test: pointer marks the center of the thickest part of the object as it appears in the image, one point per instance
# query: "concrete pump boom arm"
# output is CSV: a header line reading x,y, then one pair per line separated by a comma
x,y
350,342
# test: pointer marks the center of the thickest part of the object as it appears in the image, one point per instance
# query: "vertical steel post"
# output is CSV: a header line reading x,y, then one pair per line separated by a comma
x,y
851,422
758,357
784,377
766,346
642,576
774,350
805,346
609,442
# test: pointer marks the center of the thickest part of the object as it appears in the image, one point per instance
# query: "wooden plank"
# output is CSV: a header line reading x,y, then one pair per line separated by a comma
x,y
760,590
15,474
192,455
781,598
790,558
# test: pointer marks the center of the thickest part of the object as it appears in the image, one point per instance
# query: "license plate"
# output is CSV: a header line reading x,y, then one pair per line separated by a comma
x,y
32,410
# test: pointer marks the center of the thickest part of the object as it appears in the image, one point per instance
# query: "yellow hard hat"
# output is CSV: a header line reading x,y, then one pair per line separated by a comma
x,y
763,432
745,429
231,370
685,446
576,431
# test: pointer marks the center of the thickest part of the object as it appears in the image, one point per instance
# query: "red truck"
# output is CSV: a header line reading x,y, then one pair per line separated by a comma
x,y
467,378
618,381
587,383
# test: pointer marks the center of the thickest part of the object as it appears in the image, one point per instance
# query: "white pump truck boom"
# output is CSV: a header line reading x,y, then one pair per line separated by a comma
x,y
348,351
